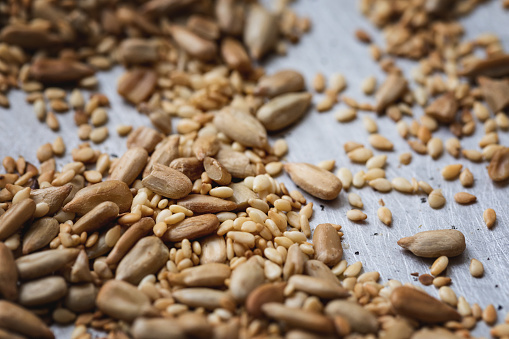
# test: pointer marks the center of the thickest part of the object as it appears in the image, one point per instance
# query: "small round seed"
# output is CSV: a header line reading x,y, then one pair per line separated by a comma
x,y
435,199
385,215
405,158
476,268
464,198
489,217
439,265
356,215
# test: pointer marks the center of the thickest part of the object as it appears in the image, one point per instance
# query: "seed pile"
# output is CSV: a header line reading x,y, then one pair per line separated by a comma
x,y
188,234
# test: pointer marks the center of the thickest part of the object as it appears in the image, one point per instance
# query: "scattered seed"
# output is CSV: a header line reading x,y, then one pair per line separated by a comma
x,y
385,215
356,215
464,198
451,172
489,217
476,268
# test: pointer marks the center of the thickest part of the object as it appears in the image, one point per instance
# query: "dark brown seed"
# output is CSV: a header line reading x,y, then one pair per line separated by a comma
x,y
56,71
410,302
235,55
192,228
8,274
200,204
426,279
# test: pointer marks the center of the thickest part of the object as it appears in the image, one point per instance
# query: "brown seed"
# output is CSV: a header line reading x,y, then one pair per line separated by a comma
x,y
390,91
498,168
200,204
130,165
193,44
327,244
191,167
314,180
207,298
435,147
147,256
262,295
101,215
55,71
126,241
164,154
91,196
137,51
464,198
121,300
39,234
8,274
286,81
420,306
145,137
137,85
476,268
426,279
205,146
433,244
168,182
157,327
360,319
235,55
42,291
489,315
260,31
19,320
489,217
40,264
356,215
241,127
192,228
283,110
12,220
204,275
299,318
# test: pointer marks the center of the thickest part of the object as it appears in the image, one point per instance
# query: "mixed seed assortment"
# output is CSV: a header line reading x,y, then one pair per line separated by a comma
x,y
188,234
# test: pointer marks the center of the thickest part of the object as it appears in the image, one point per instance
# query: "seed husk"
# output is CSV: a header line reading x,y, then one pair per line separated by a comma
x,y
476,268
360,319
490,217
433,244
464,198
40,264
200,204
8,274
285,81
283,110
130,165
192,228
40,234
299,318
12,220
390,91
260,31
147,256
19,320
314,180
121,300
385,215
168,182
241,127
444,108
42,291
498,169
89,197
95,219
420,306
327,244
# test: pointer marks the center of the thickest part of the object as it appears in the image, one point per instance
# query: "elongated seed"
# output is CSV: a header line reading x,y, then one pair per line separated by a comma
x,y
439,265
489,217
385,215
